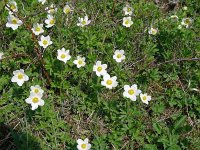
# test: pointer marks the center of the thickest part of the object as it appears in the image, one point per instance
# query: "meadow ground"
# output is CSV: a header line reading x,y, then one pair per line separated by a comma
x,y
161,43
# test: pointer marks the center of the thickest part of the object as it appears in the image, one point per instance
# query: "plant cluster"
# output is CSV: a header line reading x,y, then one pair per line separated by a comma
x,y
87,71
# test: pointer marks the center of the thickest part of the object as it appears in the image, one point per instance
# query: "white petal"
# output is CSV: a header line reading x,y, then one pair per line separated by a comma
x,y
126,87
88,146
28,100
104,66
79,147
41,103
106,76
22,70
14,79
148,98
14,27
75,61
114,78
86,140
125,94
20,82
50,42
98,73
86,18
133,98
26,78
34,106
79,141
40,43
103,83
115,84
122,52
134,86
8,24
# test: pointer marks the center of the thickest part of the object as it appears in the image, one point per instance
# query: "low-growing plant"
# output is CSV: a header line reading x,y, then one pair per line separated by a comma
x,y
99,75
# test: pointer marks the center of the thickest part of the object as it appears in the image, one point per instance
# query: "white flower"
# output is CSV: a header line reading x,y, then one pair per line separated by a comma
x,y
45,41
186,22
42,1
127,22
52,9
174,17
80,62
83,145
13,22
145,98
131,92
37,90
83,21
67,9
35,101
100,69
128,10
19,77
179,26
63,55
13,6
50,21
109,82
37,29
153,31
185,8
119,55
1,55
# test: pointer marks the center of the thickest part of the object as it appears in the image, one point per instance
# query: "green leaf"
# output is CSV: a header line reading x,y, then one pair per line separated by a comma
x,y
179,123
150,147
2,4
174,147
157,128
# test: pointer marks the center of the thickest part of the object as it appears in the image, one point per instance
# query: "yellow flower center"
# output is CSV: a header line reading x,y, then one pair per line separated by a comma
x,y
80,62
51,10
131,92
67,10
83,146
127,22
119,55
20,76
35,100
63,56
37,29
99,68
45,42
52,21
14,21
187,21
128,9
174,17
109,82
83,22
36,90
144,98
12,6
154,31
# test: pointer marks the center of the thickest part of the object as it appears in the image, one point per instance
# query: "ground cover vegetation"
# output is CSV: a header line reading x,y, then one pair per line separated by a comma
x,y
99,74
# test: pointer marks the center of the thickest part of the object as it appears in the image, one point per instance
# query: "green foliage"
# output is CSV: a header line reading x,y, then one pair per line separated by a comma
x,y
77,105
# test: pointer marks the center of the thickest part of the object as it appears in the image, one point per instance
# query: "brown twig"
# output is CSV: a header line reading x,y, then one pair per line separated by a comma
x,y
178,60
113,9
36,49
14,56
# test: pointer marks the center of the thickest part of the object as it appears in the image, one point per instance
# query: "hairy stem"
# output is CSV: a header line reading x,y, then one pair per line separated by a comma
x,y
36,49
